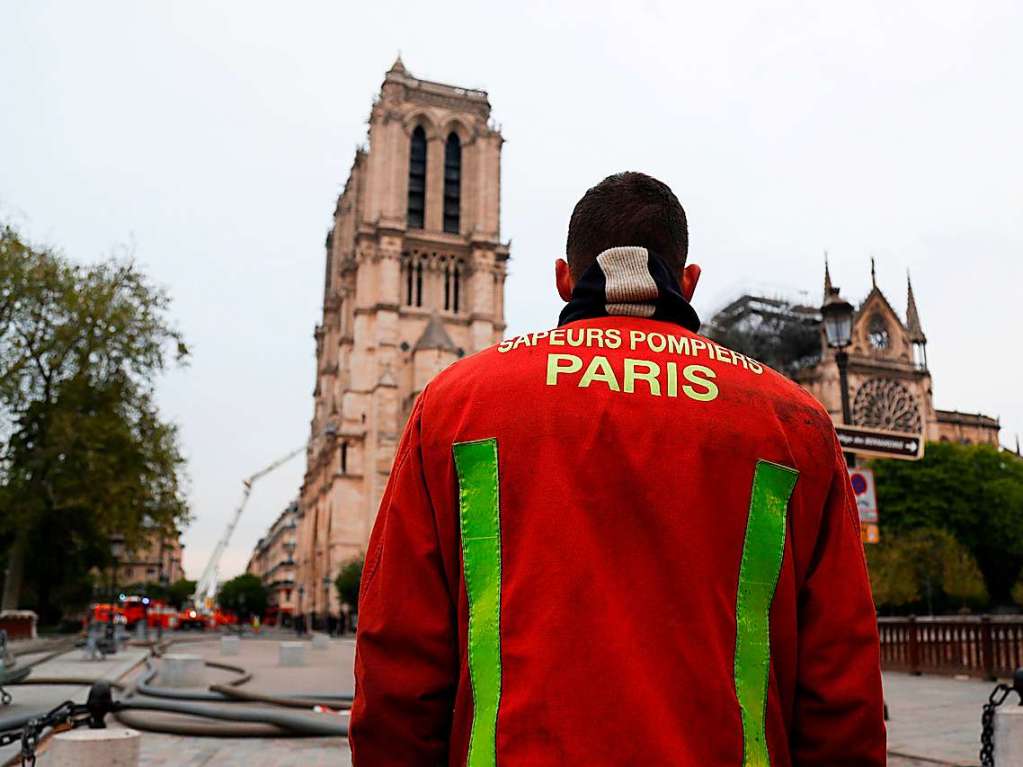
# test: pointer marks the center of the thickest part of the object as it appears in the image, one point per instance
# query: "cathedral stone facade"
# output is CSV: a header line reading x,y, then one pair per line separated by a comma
x,y
889,382
414,279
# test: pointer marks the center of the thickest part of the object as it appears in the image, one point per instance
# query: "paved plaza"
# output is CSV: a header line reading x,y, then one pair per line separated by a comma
x,y
935,720
30,699
327,672
935,717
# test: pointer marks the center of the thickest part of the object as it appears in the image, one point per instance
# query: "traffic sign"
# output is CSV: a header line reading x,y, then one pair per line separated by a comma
x,y
869,533
862,481
878,442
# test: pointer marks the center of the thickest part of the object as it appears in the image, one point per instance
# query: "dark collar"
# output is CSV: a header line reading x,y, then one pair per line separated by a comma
x,y
633,282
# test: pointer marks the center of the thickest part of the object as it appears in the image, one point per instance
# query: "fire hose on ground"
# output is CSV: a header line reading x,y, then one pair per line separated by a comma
x,y
146,707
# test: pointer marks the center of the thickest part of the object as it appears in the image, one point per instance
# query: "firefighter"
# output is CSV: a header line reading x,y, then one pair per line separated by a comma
x,y
617,542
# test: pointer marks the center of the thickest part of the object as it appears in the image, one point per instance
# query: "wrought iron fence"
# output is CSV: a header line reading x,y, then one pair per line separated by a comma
x,y
985,646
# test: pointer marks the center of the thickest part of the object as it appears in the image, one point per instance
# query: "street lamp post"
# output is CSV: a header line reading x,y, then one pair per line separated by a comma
x,y
300,618
289,548
837,314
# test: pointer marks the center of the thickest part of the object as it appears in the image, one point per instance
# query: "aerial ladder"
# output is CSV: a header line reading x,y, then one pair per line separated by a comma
x,y
206,588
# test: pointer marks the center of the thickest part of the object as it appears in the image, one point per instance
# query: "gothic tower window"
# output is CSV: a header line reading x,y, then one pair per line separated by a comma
x,y
417,179
452,285
412,278
407,268
447,287
344,457
456,287
419,282
452,183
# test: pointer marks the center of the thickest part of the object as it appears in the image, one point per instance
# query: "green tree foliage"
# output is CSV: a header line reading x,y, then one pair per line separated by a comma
x,y
1017,593
974,492
893,577
84,453
244,595
927,570
348,581
180,592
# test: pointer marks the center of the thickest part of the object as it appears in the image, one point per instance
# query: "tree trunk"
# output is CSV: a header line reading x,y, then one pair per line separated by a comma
x,y
15,570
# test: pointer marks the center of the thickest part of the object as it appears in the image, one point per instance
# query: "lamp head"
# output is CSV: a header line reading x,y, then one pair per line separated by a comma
x,y
837,314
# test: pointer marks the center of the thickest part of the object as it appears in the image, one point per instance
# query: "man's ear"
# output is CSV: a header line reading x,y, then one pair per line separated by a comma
x,y
563,279
690,277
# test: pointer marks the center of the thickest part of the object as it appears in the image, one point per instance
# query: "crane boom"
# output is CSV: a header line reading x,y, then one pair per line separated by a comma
x,y
206,588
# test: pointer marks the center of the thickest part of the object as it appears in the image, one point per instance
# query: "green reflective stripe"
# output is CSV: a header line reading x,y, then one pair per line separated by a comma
x,y
762,555
479,511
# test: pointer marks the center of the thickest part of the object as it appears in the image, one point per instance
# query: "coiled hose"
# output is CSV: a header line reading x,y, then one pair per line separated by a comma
x,y
157,709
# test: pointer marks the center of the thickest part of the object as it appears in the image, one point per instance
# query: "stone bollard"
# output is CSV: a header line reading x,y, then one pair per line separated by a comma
x,y
112,747
1009,735
321,642
230,645
182,671
292,654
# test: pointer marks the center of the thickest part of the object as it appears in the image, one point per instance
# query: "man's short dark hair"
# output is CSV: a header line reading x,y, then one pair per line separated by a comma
x,y
627,209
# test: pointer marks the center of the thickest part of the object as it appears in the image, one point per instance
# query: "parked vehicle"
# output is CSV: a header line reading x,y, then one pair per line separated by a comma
x,y
194,619
100,613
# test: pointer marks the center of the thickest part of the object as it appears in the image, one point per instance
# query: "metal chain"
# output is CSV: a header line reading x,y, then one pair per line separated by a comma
x,y
67,715
987,724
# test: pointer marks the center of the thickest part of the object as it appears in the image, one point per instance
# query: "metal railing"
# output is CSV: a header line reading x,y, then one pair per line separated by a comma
x,y
986,647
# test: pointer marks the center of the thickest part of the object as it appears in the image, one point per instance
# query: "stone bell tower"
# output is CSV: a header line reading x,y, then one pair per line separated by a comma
x,y
415,272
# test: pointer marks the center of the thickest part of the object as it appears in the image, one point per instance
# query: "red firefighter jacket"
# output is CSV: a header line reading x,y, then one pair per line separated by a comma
x,y
616,543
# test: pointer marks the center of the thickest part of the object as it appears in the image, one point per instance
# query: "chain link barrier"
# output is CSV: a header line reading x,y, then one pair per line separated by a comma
x,y
997,697
987,724
67,716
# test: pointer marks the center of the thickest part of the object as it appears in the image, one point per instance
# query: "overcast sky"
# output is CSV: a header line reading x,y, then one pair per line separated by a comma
x,y
214,137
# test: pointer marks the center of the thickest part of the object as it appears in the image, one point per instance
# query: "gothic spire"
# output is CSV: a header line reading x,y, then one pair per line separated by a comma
x,y
873,274
916,332
398,66
827,277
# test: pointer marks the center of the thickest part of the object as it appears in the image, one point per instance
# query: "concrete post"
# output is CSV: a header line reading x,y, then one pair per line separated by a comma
x,y
292,654
113,747
230,645
1008,735
182,671
321,642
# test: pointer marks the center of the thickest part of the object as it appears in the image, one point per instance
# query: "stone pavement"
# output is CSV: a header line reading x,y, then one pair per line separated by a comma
x,y
327,671
29,699
934,718
935,721
180,751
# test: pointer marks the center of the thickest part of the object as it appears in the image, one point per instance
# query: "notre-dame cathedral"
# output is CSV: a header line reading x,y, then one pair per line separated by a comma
x,y
414,279
890,383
